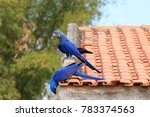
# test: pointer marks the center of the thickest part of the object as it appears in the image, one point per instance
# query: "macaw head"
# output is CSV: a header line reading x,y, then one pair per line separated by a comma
x,y
53,85
56,34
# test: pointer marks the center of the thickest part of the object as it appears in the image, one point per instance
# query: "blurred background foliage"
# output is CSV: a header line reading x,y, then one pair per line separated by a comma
x,y
28,56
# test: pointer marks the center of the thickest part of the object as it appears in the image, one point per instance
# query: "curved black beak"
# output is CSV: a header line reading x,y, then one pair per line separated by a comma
x,y
55,36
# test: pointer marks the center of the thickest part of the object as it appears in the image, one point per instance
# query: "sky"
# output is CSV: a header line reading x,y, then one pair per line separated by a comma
x,y
126,12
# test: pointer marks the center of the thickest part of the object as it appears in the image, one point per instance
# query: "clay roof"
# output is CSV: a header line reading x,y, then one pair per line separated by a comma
x,y
121,52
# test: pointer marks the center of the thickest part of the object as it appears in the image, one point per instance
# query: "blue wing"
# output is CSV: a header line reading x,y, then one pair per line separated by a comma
x,y
81,50
72,49
65,72
64,50
87,76
61,49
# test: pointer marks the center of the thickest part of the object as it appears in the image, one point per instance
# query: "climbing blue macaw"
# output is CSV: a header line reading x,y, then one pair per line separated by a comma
x,y
67,47
65,72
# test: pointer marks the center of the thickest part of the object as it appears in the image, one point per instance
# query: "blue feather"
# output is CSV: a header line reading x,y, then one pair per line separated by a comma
x,y
61,49
65,72
67,47
87,76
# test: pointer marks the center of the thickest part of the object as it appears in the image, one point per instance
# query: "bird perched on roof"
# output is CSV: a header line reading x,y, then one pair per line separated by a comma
x,y
67,47
65,72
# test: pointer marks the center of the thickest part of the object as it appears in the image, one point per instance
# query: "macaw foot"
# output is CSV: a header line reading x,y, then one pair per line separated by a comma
x,y
64,58
74,58
64,81
70,57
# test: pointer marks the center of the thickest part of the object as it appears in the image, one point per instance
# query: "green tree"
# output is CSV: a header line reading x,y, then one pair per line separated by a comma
x,y
53,14
8,88
32,71
24,77
11,23
11,20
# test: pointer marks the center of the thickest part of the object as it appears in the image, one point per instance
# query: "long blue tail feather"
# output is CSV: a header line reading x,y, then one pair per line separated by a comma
x,y
87,76
88,64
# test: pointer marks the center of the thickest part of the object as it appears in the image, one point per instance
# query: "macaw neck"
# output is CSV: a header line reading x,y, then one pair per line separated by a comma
x,y
63,38
53,82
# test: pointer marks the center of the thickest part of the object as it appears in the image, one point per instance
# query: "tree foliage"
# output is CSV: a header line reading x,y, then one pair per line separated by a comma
x,y
8,88
11,21
52,14
32,71
23,74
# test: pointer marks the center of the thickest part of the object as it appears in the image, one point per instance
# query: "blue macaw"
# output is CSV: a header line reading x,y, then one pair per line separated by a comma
x,y
65,72
67,47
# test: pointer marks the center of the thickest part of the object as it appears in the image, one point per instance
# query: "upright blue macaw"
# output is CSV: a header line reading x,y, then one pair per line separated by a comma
x,y
67,47
65,72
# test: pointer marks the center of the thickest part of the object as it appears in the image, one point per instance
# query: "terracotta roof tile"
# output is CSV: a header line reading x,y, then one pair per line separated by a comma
x,y
121,52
